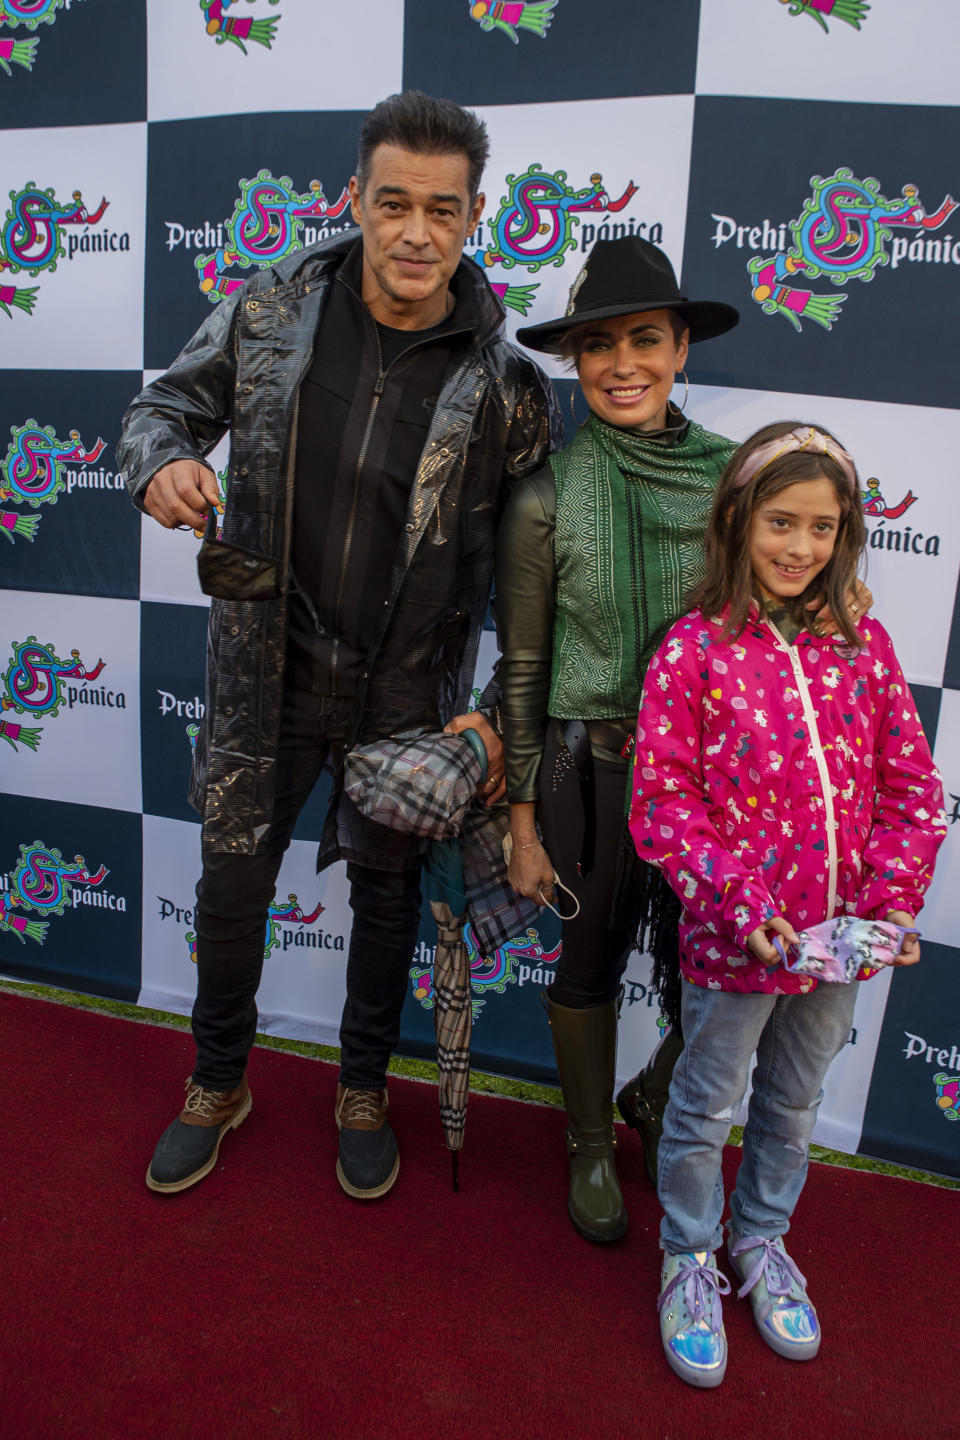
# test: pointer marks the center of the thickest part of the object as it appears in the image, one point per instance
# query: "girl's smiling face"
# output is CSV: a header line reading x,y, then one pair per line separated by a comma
x,y
792,536
627,367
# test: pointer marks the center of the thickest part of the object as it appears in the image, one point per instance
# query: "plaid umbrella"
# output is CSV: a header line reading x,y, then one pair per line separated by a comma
x,y
453,1005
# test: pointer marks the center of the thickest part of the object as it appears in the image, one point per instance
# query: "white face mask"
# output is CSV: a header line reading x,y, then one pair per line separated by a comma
x,y
560,886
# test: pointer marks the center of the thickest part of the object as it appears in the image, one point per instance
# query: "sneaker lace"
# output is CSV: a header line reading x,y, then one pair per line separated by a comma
x,y
773,1264
702,1287
359,1105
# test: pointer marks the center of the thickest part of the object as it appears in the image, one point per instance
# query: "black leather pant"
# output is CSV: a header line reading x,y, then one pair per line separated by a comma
x,y
594,955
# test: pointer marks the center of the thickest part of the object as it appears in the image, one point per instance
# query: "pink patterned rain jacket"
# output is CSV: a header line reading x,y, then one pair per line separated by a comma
x,y
778,779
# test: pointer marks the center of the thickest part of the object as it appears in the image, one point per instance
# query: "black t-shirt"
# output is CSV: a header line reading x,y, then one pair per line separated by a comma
x,y
366,405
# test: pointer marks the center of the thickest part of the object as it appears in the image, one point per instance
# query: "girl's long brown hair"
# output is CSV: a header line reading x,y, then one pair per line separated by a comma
x,y
728,581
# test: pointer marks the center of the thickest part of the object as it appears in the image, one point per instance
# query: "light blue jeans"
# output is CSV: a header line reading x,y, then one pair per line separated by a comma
x,y
795,1037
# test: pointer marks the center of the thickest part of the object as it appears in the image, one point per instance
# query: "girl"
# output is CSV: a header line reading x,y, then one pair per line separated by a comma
x,y
781,778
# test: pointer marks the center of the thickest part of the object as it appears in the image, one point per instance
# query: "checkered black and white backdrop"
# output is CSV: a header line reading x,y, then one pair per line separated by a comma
x,y
794,157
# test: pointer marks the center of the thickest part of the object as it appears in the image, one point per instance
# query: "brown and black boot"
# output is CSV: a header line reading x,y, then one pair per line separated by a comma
x,y
189,1146
368,1161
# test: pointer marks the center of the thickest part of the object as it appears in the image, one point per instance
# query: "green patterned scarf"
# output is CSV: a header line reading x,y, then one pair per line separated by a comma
x,y
631,516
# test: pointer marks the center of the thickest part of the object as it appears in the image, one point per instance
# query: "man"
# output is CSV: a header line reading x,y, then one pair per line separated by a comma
x,y
376,418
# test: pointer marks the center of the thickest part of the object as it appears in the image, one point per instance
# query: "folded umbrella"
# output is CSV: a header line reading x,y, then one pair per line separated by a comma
x,y
442,879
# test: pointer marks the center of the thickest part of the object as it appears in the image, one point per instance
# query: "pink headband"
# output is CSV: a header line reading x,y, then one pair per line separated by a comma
x,y
804,438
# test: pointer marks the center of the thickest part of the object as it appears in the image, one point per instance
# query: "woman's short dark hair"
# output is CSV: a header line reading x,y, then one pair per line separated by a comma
x,y
729,579
424,125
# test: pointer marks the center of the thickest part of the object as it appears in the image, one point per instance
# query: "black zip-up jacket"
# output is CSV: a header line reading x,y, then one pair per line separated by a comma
x,y
495,421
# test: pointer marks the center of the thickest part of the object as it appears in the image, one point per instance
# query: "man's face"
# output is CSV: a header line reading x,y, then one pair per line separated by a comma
x,y
416,215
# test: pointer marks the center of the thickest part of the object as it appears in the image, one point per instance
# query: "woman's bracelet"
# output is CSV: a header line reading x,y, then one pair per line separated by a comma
x,y
526,845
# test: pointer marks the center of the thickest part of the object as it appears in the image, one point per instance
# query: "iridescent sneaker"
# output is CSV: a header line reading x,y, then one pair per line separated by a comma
x,y
778,1294
691,1320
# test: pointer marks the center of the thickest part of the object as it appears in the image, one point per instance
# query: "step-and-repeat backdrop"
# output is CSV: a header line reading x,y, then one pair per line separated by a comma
x,y
796,158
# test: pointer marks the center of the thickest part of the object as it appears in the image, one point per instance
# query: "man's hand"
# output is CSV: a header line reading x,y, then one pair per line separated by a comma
x,y
494,787
182,493
910,949
759,945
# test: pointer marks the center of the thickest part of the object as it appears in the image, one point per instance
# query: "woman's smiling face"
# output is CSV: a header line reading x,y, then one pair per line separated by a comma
x,y
627,368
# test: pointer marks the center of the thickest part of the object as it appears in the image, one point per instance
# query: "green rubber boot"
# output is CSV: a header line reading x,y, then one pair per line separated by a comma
x,y
585,1044
643,1099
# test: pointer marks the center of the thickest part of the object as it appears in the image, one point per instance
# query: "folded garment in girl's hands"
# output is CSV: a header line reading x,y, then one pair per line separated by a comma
x,y
845,948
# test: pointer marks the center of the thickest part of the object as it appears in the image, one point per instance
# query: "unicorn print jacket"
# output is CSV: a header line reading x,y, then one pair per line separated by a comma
x,y
775,779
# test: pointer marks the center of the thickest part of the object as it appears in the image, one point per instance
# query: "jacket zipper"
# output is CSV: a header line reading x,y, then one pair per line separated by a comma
x,y
351,518
821,762
378,390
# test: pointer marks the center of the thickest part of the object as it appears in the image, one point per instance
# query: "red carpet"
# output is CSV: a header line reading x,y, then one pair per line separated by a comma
x,y
265,1303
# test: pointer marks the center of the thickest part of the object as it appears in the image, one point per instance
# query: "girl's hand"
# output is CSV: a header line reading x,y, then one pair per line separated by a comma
x,y
910,950
530,871
859,599
759,945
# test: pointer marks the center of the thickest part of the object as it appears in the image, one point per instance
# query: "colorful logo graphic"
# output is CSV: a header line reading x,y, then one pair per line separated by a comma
x,y
287,913
509,16
494,972
850,11
224,28
32,238
906,539
33,684
265,226
17,52
32,473
29,13
875,504
534,225
42,881
948,1095
842,234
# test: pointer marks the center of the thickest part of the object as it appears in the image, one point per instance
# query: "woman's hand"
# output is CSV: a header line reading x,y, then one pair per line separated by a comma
x,y
530,870
910,949
760,946
859,599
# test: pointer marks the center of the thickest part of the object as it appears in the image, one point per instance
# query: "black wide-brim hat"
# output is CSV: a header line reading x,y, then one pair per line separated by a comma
x,y
621,277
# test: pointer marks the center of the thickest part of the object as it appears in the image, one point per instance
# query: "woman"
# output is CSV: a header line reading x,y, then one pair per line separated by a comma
x,y
597,552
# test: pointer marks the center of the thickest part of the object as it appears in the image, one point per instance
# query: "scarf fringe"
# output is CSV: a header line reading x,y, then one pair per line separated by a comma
x,y
644,903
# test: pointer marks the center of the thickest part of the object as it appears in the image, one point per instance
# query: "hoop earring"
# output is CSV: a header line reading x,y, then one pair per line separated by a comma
x,y
686,392
573,392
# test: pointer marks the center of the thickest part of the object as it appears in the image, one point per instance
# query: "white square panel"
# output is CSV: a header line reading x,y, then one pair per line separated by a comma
x,y
596,169
901,54
88,311
324,55
86,725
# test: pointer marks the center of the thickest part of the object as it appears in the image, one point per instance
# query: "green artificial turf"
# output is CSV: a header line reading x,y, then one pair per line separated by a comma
x,y
480,1083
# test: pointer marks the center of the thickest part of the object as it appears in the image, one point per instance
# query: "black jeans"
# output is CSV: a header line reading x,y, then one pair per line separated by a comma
x,y
233,897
